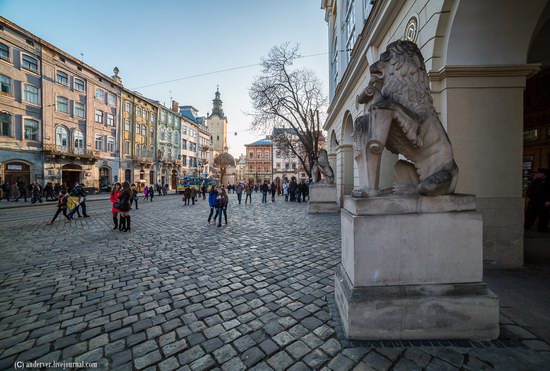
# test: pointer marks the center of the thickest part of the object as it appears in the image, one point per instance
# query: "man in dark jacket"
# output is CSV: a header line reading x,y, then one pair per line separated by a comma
x,y
22,191
81,193
264,188
539,201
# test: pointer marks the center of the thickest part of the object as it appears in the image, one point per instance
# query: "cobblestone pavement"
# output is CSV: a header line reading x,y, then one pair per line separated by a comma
x,y
176,293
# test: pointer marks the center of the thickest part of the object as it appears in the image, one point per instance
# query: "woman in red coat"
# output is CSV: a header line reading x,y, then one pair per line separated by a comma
x,y
115,192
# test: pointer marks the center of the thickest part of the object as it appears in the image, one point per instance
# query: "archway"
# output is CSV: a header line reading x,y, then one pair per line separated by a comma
x,y
71,174
105,178
128,176
346,155
480,81
174,179
17,172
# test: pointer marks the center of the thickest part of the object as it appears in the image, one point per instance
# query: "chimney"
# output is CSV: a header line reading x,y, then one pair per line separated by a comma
x,y
175,106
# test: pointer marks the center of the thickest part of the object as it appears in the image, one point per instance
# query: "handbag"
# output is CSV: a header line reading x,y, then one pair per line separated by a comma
x,y
116,205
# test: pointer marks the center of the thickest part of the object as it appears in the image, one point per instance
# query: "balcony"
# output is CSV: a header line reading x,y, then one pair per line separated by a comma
x,y
65,151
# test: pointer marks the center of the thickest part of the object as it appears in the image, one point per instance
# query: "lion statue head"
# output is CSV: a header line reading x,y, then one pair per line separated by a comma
x,y
400,76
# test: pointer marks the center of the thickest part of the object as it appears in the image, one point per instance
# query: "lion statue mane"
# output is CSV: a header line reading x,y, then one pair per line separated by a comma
x,y
401,117
322,166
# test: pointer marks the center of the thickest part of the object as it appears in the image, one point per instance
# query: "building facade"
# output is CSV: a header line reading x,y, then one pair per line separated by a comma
x,y
81,108
259,161
478,82
138,140
168,144
21,133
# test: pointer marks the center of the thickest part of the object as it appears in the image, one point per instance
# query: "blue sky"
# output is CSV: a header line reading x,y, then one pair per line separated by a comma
x,y
152,41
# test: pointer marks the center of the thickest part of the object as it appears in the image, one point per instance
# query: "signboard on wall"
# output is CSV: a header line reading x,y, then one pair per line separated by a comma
x,y
16,167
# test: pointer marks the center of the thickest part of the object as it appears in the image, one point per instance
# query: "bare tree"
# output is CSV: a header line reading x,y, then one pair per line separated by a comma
x,y
222,162
289,98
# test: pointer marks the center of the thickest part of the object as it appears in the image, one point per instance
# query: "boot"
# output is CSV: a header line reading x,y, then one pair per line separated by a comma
x,y
115,220
122,224
127,229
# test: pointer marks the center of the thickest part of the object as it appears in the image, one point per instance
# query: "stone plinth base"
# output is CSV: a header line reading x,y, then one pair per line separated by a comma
x,y
322,198
412,269
451,311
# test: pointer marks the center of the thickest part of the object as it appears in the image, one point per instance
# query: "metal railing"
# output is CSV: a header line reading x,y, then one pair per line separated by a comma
x,y
69,151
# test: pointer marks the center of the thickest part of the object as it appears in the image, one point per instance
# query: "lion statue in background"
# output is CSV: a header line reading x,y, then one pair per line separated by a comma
x,y
401,117
322,166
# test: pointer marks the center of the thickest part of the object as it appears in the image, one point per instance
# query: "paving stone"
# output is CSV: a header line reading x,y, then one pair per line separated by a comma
x,y
34,353
252,356
377,362
147,360
243,343
394,353
331,347
115,347
144,348
315,359
204,363
169,364
190,355
211,345
90,356
234,364
224,353
520,332
435,365
447,354
174,348
167,338
283,339
419,357
298,350
122,358
280,361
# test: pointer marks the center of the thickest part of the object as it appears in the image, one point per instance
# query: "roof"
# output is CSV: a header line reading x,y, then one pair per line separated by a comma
x,y
278,131
261,142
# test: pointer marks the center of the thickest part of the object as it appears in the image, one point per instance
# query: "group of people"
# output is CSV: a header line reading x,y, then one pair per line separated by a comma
x,y
538,206
122,196
19,190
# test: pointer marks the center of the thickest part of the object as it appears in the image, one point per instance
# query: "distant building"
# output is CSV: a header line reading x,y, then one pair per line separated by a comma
x,y
259,161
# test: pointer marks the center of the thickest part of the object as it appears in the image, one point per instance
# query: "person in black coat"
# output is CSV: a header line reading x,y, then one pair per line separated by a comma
x,y
538,206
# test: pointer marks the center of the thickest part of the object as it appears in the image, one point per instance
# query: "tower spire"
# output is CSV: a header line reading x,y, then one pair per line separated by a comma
x,y
217,104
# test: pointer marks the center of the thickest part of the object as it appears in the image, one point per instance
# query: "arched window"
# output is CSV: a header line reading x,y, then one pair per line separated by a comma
x,y
138,150
61,136
78,140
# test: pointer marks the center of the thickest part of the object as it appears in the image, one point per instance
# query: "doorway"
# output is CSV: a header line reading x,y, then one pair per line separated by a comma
x,y
71,174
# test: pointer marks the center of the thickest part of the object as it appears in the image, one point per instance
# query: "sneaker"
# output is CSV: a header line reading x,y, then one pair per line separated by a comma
x,y
219,225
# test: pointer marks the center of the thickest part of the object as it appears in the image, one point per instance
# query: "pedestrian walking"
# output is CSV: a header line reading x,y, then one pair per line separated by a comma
x,y
222,201
273,190
134,196
115,192
193,194
124,200
203,191
264,188
36,192
305,190
212,202
21,190
6,190
49,192
285,190
151,192
186,195
248,189
145,194
239,189
14,190
80,194
61,207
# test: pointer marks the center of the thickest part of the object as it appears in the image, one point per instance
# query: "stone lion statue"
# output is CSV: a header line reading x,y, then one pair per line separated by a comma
x,y
322,166
401,117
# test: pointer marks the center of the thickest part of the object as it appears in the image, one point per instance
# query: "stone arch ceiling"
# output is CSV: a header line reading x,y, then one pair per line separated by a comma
x,y
492,32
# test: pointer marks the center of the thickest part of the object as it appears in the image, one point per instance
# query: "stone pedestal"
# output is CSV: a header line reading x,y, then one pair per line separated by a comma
x,y
322,198
412,269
